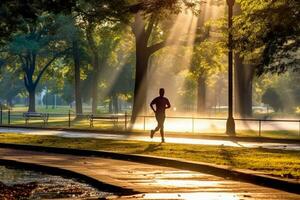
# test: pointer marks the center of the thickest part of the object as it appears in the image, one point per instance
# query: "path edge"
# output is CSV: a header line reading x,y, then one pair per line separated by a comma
x,y
67,173
218,170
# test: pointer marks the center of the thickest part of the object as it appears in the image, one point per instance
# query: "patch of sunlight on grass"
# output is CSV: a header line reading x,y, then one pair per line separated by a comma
x,y
269,161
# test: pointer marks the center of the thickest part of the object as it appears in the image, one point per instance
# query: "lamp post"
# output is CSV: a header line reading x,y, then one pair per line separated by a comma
x,y
230,125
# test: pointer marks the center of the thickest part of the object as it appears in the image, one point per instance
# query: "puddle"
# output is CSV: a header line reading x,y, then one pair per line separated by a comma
x,y
23,184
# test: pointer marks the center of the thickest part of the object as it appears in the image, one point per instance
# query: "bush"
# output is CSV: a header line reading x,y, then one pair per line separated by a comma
x,y
272,98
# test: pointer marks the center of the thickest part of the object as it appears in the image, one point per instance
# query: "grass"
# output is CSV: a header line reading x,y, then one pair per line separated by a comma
x,y
61,121
272,162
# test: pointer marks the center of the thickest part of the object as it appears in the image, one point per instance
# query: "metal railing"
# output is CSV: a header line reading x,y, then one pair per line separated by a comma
x,y
191,123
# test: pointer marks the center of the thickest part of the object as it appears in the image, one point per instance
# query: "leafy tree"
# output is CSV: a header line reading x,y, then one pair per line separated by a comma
x,y
13,14
206,61
107,39
10,79
272,98
144,27
91,15
261,28
36,47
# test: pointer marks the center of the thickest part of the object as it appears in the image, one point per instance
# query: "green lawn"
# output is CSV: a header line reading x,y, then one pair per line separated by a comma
x,y
273,162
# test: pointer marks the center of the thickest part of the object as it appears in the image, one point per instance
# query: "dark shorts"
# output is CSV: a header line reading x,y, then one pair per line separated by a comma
x,y
160,118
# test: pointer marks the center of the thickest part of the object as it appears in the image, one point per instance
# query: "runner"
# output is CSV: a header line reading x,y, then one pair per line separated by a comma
x,y
161,104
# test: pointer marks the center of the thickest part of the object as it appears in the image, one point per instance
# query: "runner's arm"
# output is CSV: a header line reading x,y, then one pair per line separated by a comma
x,y
168,105
151,105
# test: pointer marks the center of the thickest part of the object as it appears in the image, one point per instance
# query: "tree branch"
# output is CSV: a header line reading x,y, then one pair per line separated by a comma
x,y
48,64
156,47
163,44
150,27
91,41
26,82
23,63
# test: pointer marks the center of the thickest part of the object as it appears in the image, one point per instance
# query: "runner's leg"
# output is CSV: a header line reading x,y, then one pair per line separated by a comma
x,y
161,125
157,127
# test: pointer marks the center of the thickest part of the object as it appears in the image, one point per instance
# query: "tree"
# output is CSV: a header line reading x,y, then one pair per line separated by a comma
x,y
107,39
145,23
92,16
261,28
206,61
272,98
13,14
264,42
123,85
244,72
10,79
37,47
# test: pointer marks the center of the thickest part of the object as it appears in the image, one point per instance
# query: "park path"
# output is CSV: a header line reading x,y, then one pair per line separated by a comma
x,y
152,182
179,139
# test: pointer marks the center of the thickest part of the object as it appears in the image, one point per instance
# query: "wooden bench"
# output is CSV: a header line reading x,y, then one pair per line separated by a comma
x,y
42,116
92,118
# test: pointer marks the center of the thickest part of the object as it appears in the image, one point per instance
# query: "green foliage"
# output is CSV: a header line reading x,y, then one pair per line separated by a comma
x,y
37,47
271,29
10,79
166,7
207,58
286,85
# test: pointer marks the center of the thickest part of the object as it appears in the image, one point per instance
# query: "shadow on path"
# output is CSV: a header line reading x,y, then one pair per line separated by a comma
x,y
150,148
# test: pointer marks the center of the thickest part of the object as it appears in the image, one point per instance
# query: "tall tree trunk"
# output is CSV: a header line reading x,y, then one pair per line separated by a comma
x,y
95,63
120,106
95,84
201,94
115,103
31,107
243,86
143,52
78,100
140,87
9,101
46,98
244,74
53,101
110,106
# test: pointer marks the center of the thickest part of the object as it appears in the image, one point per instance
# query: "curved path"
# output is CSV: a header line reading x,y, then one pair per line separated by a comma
x,y
182,139
153,182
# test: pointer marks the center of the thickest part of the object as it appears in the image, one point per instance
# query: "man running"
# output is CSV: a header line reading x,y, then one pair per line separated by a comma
x,y
161,104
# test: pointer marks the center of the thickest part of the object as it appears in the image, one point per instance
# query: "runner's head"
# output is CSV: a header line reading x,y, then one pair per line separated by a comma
x,y
161,92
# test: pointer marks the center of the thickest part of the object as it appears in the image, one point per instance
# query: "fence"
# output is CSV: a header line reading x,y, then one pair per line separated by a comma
x,y
218,125
205,125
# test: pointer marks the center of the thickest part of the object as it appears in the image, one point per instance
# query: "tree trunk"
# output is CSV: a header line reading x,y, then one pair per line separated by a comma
x,y
31,107
142,57
46,99
9,101
95,63
53,101
201,94
243,87
140,87
143,52
110,106
115,103
95,84
78,100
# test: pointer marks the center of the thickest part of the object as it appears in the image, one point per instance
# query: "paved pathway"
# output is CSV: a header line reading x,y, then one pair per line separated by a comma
x,y
153,182
139,137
